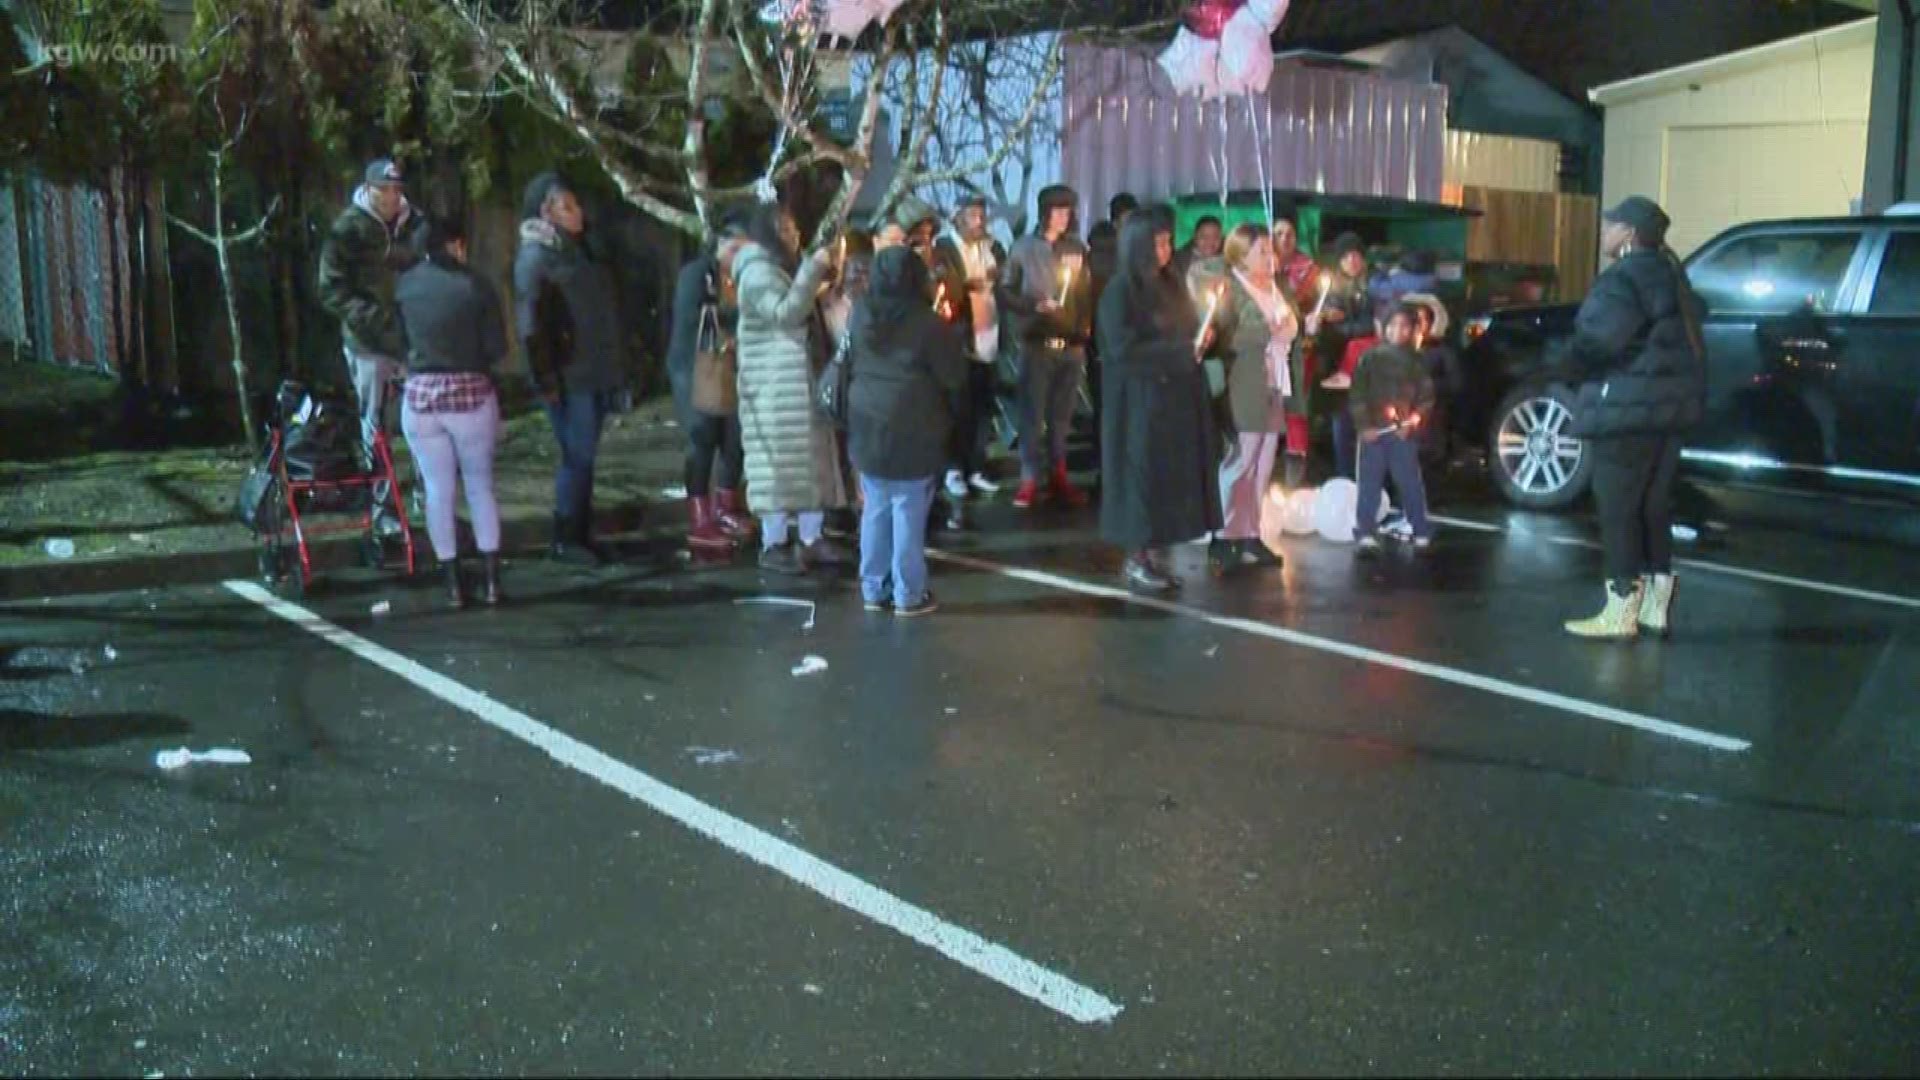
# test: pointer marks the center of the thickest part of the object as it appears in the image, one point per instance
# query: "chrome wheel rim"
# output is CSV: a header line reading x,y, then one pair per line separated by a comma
x,y
1534,448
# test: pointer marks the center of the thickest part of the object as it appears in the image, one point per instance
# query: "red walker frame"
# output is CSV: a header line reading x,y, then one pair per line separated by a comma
x,y
288,519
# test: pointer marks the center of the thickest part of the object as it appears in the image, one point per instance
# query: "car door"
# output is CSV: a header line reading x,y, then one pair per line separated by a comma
x,y
1877,381
1773,340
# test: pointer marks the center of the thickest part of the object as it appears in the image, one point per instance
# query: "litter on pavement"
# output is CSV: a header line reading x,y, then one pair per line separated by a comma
x,y
174,759
809,665
784,601
60,547
707,756
382,608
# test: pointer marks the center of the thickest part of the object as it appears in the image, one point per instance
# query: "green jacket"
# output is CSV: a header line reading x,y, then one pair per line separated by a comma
x,y
1390,378
360,265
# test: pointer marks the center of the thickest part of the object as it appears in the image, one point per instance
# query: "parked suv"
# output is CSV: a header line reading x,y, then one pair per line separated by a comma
x,y
1813,365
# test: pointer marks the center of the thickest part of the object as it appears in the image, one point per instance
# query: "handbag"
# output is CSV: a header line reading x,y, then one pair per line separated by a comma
x,y
716,368
836,383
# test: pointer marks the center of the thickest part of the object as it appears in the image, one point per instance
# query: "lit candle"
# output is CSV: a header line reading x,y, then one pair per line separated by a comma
x,y
1326,286
1066,280
940,300
1213,305
840,258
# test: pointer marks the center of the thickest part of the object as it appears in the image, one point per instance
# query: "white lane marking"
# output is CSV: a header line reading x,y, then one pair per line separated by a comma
x,y
1532,695
970,950
1829,588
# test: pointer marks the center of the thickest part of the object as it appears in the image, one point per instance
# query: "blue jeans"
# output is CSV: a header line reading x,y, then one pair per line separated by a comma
x,y
1049,390
893,538
577,420
1345,435
1400,458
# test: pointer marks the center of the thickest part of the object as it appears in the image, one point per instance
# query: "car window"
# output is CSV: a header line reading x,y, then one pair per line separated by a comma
x,y
1775,274
1898,290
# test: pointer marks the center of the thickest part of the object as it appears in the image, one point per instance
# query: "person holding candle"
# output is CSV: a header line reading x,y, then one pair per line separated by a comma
x,y
1043,289
967,260
1344,313
1257,328
1299,277
1159,450
1391,399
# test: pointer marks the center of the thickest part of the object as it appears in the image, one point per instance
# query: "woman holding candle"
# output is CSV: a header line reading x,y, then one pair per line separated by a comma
x,y
1159,449
1344,313
1257,328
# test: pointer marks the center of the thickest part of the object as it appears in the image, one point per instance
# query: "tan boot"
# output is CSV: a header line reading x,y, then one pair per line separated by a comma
x,y
1619,619
1656,599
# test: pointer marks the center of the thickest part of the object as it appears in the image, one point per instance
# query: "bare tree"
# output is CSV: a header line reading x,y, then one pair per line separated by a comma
x,y
648,123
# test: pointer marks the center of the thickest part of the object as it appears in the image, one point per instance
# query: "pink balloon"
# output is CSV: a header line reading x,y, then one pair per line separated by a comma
x,y
1268,12
1246,55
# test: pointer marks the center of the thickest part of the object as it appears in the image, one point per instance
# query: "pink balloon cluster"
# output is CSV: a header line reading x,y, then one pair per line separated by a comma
x,y
835,18
1226,47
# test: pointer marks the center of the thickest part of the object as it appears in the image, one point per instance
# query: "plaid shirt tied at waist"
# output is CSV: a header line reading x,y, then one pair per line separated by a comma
x,y
448,391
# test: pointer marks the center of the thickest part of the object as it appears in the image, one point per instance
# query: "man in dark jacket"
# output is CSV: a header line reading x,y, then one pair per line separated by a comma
x,y
566,308
1346,316
1044,291
1638,351
966,261
913,226
1391,401
717,514
373,241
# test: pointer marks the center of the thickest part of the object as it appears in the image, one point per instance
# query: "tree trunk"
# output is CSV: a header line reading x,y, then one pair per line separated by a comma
x,y
233,307
161,351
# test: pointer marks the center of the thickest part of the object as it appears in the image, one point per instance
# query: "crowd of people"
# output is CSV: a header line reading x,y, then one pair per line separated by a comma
x,y
866,376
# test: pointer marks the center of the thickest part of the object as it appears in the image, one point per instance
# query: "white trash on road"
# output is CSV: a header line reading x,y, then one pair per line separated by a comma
x,y
810,664
174,759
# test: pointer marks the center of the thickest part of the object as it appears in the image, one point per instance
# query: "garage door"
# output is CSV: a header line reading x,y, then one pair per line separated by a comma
x,y
1722,176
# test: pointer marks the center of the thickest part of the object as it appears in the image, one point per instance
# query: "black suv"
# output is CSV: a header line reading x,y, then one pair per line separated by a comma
x,y
1813,365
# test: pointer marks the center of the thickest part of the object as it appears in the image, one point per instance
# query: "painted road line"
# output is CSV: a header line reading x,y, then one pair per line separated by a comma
x,y
1827,587
970,950
1532,695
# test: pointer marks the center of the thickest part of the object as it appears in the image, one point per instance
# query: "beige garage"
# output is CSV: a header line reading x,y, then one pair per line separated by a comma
x,y
1775,131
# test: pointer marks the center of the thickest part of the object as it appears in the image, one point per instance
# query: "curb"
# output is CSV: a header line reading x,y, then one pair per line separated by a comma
x,y
518,537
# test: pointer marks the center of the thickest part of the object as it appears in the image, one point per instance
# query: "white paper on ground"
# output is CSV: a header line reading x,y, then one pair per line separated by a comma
x,y
703,755
810,664
174,759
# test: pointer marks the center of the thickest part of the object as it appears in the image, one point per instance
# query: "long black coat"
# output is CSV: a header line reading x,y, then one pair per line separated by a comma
x,y
1159,447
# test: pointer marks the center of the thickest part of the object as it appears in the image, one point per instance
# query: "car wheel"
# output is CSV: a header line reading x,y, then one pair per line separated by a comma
x,y
1535,463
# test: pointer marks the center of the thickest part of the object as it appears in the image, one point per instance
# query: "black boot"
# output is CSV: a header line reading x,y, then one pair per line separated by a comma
x,y
568,533
456,588
490,593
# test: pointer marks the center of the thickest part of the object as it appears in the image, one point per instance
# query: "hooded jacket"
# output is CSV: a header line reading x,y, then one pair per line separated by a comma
x,y
1159,446
566,308
908,372
360,265
1637,347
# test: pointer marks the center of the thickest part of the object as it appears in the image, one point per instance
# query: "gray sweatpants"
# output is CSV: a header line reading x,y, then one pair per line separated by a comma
x,y
379,396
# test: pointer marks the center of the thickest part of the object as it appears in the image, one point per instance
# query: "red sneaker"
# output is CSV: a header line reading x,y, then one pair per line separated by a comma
x,y
1028,494
1064,493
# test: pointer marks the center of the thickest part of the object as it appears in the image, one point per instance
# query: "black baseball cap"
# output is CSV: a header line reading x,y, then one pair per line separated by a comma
x,y
1642,215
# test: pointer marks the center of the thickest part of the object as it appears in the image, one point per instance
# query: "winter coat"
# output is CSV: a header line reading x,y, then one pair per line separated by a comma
x,y
1637,349
566,306
1242,334
1159,447
453,319
950,270
792,456
1032,274
908,374
1389,384
360,265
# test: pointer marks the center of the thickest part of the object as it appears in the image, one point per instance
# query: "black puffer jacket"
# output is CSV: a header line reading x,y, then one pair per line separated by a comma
x,y
1637,350
908,372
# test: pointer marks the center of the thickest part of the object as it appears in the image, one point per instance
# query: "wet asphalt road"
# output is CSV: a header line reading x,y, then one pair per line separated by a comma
x,y
1271,857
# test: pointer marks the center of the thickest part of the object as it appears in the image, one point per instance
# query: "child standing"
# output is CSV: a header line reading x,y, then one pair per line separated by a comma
x,y
1391,399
